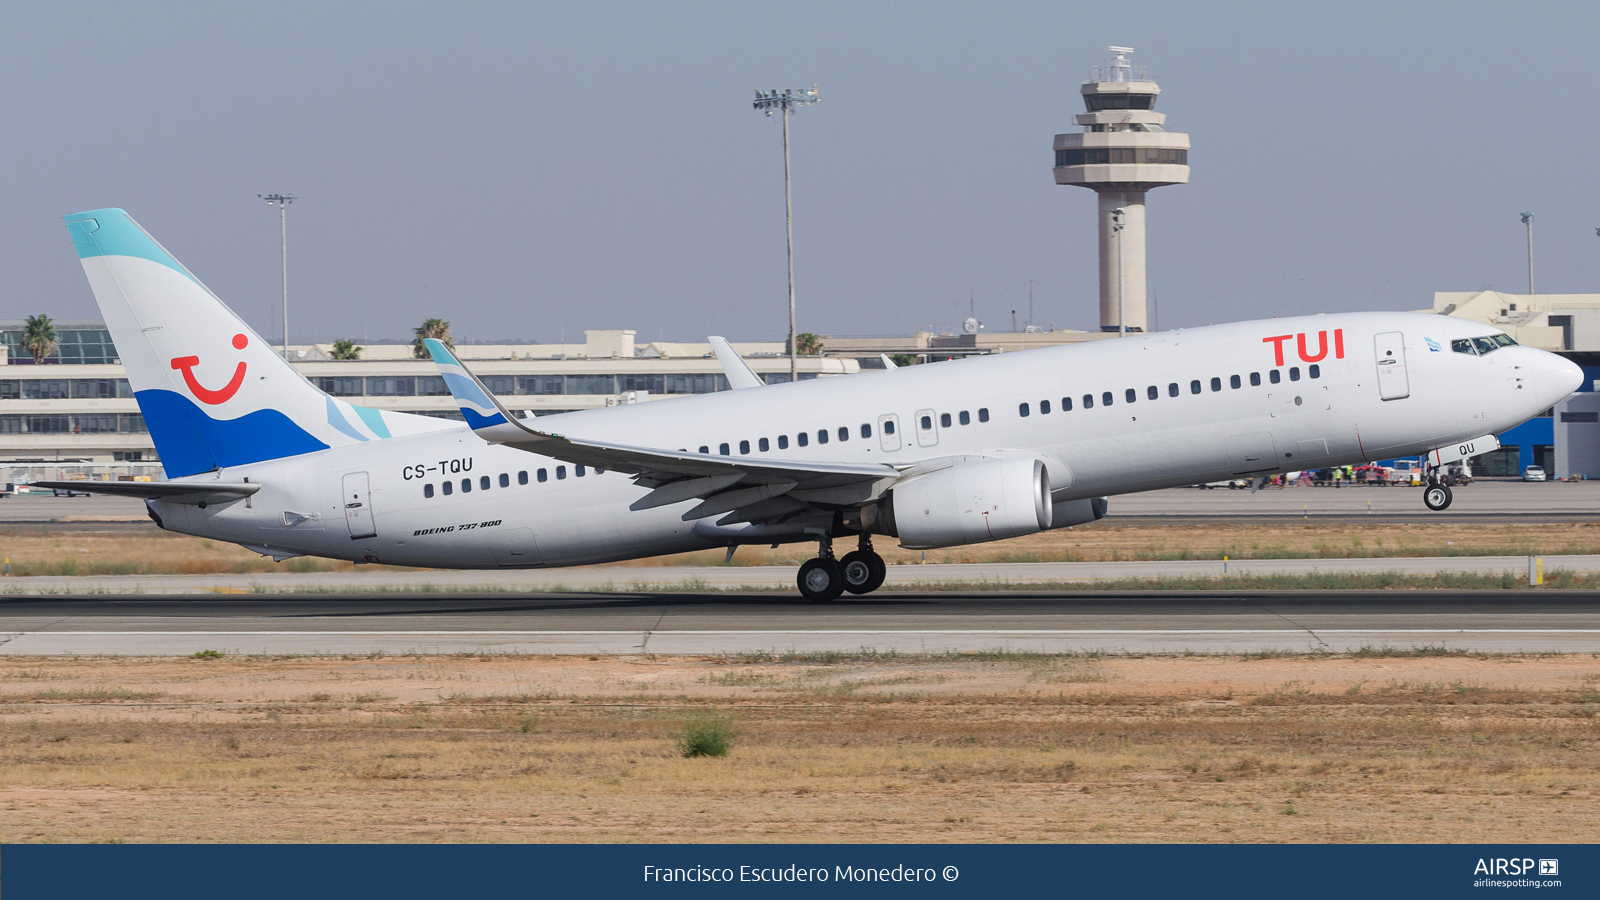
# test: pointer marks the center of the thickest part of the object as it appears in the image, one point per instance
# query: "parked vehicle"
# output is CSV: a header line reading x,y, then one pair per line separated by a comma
x,y
1533,473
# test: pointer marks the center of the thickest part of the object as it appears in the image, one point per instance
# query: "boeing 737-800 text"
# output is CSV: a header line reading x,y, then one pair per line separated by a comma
x,y
934,455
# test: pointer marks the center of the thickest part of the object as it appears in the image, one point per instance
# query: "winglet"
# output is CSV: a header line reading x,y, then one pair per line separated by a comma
x,y
483,411
739,373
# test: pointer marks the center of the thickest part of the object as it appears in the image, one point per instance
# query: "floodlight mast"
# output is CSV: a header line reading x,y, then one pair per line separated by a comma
x,y
785,103
1527,219
283,201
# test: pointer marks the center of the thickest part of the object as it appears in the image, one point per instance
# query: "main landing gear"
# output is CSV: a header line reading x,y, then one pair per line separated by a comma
x,y
861,571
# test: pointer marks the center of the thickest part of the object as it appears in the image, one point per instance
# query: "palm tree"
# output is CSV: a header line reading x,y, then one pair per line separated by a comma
x,y
808,344
346,349
438,329
39,338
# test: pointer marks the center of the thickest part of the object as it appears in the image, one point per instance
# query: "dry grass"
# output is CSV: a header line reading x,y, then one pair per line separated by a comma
x,y
987,747
150,551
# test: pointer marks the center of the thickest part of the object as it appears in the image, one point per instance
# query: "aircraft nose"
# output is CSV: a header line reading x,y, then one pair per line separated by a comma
x,y
1556,377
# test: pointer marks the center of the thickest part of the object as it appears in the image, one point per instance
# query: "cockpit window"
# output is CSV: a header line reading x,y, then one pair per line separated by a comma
x,y
1503,340
1463,345
1485,345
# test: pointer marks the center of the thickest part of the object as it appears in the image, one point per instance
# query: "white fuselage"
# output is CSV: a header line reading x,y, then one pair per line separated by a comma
x,y
1340,416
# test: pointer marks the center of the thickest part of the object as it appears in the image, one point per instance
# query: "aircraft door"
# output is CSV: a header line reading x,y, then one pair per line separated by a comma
x,y
517,549
1250,453
889,432
357,501
927,428
1393,383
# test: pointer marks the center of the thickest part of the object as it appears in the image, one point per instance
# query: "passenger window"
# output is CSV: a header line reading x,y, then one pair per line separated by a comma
x,y
983,414
822,435
844,433
1294,373
1233,382
723,449
888,426
1066,404
561,472
1274,376
866,430
944,420
1022,410
1194,386
1044,407
1130,395
1216,384
1255,379
1314,370
803,438
965,419
466,485
544,475
1152,392
427,490
744,448
762,445
1172,389
783,441
1088,401
927,422
1105,398
580,471
522,477
704,449
449,488
484,482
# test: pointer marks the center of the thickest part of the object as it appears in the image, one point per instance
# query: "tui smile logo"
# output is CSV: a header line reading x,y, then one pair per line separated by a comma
x,y
186,364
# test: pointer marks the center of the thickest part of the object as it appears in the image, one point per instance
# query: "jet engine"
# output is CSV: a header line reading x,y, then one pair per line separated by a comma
x,y
969,503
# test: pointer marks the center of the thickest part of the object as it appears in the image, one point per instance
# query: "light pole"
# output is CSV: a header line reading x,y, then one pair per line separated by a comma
x,y
283,201
1116,228
785,104
1527,219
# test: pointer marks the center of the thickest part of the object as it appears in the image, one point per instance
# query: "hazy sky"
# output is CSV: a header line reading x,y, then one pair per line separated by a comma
x,y
528,170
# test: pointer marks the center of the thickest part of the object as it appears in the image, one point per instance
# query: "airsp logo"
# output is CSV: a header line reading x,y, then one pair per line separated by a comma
x,y
1515,867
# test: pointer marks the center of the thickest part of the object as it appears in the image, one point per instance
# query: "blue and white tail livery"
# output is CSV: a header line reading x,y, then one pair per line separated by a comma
x,y
214,394
933,455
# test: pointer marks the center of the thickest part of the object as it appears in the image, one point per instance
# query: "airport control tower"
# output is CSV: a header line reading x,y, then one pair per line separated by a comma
x,y
1122,152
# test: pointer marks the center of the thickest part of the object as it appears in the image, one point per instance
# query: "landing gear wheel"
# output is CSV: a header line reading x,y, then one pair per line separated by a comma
x,y
1436,497
864,571
821,580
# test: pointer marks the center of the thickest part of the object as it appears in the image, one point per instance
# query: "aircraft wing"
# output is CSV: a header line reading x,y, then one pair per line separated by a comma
x,y
190,492
726,484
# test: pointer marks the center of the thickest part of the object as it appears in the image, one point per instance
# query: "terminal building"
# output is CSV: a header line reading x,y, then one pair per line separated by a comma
x,y
74,413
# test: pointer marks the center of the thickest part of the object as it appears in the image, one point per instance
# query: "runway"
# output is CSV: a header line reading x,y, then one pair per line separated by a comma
x,y
711,623
1482,501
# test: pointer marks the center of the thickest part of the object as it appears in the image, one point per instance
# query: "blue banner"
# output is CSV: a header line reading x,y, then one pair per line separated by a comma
x,y
641,871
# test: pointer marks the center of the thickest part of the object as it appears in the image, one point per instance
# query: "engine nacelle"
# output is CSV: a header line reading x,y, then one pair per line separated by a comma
x,y
970,503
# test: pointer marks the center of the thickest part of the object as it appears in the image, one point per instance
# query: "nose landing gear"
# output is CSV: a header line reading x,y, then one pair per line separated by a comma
x,y
1436,495
860,572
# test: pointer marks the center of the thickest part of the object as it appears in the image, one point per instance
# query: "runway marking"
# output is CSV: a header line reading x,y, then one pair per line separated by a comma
x,y
1294,631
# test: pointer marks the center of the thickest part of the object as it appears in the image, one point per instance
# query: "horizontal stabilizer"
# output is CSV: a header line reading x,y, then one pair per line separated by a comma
x,y
193,493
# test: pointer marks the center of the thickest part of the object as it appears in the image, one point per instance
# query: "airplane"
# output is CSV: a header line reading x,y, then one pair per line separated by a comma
x,y
953,453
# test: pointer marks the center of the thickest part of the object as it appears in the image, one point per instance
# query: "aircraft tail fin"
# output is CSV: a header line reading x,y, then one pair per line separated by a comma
x,y
213,392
